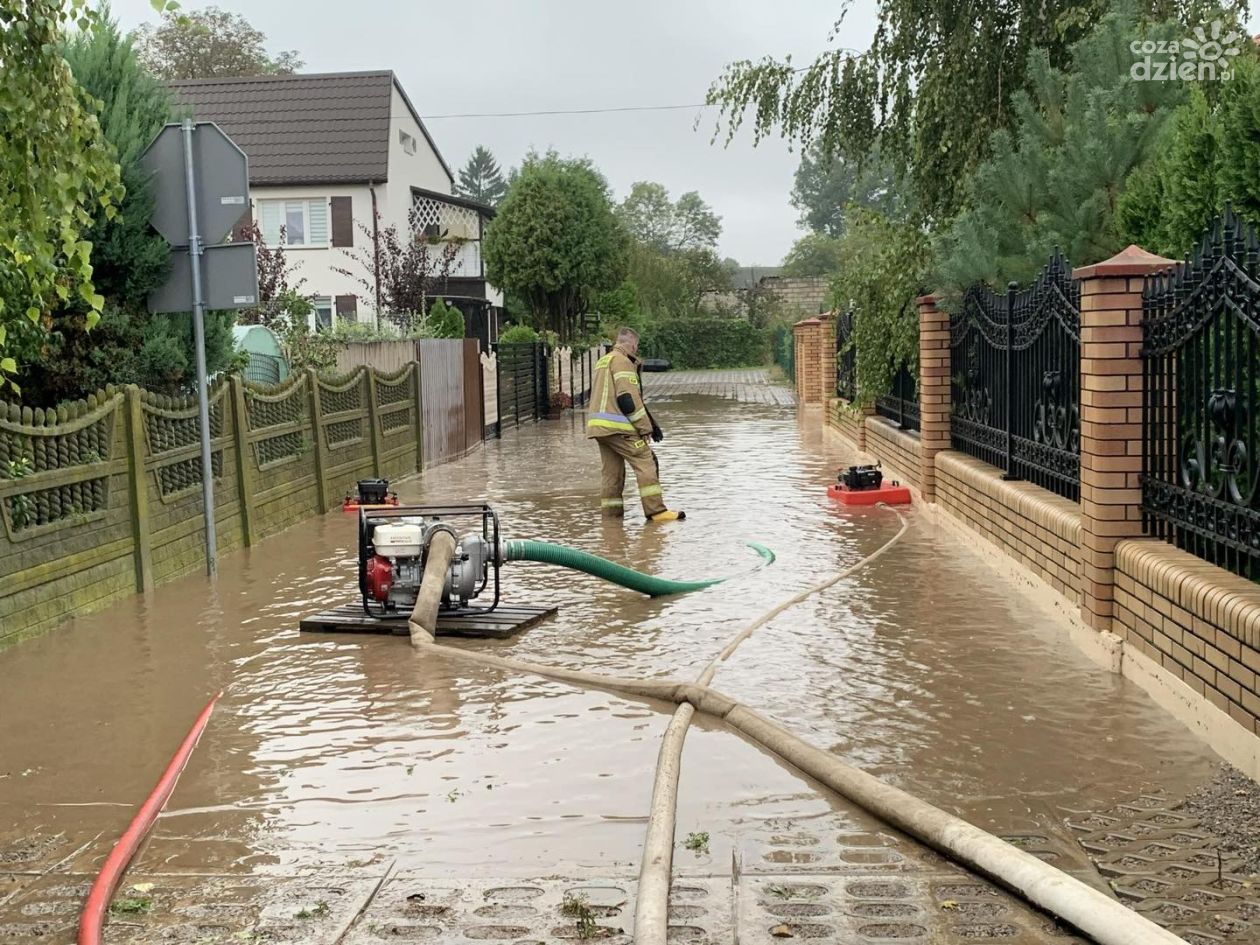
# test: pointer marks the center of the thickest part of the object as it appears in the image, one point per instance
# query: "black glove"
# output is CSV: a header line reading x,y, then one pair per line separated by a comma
x,y
657,433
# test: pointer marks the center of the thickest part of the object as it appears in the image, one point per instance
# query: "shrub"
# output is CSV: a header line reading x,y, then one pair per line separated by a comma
x,y
707,343
445,321
518,334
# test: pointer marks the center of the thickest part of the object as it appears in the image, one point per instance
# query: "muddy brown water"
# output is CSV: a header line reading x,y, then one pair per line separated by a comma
x,y
928,669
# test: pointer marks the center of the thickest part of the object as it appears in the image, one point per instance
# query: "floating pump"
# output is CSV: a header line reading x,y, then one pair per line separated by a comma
x,y
864,485
394,544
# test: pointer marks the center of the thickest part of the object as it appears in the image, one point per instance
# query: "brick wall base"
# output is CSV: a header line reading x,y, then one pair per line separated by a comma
x,y
849,420
1198,622
899,451
1037,528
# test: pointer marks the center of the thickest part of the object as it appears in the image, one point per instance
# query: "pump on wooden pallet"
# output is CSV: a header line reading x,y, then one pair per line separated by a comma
x,y
864,485
393,551
393,542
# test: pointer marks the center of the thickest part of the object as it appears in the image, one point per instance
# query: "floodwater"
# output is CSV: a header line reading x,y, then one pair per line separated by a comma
x,y
927,668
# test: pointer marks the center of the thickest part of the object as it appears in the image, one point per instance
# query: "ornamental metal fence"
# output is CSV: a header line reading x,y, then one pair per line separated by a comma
x,y
1015,389
846,358
1201,400
901,403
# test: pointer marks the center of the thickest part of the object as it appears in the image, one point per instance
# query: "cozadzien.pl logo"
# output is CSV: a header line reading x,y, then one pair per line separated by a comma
x,y
1204,56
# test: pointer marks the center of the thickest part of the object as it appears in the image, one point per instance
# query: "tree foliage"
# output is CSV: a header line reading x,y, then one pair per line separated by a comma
x,y
673,263
934,85
555,241
884,265
672,285
202,44
669,226
130,345
1209,155
814,254
58,171
481,178
445,321
824,189
1055,179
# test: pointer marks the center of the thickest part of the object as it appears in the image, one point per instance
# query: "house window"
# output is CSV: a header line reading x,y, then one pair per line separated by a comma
x,y
305,222
407,141
323,312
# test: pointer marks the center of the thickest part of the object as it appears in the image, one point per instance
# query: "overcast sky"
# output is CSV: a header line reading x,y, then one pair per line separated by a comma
x,y
477,56
530,55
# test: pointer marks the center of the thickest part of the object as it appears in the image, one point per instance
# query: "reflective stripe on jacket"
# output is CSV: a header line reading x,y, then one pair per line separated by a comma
x,y
615,374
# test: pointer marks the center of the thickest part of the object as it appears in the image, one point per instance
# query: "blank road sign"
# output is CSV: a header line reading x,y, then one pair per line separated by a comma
x,y
229,279
222,178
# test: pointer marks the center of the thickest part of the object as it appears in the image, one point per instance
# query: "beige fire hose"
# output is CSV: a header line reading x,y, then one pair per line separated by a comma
x,y
1102,918
651,912
422,625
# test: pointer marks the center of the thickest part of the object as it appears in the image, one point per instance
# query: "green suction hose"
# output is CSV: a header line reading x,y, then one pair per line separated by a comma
x,y
524,549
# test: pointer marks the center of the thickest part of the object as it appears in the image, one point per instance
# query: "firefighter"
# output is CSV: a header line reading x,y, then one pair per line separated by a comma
x,y
621,425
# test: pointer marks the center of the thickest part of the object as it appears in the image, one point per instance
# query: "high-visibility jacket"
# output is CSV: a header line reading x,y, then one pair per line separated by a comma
x,y
616,404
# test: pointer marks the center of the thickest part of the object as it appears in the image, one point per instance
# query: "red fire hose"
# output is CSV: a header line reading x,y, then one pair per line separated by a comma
x,y
106,883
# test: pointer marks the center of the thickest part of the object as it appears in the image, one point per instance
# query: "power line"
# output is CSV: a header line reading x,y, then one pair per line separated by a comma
x,y
842,51
570,111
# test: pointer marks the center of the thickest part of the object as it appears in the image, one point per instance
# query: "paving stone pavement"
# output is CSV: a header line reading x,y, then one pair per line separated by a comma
x,y
747,385
814,878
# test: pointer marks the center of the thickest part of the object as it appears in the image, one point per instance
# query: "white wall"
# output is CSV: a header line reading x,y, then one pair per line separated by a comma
x,y
422,169
315,265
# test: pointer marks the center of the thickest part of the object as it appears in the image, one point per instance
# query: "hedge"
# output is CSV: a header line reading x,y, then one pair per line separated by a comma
x,y
707,343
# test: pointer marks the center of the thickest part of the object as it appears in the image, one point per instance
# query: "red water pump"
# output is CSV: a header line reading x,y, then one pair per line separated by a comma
x,y
394,545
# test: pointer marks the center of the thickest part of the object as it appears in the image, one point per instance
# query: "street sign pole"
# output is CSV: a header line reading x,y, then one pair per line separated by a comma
x,y
199,336
207,271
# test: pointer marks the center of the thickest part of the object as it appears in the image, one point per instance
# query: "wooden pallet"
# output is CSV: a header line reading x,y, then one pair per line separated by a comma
x,y
504,621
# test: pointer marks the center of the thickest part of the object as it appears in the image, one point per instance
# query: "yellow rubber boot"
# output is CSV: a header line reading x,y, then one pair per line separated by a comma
x,y
669,515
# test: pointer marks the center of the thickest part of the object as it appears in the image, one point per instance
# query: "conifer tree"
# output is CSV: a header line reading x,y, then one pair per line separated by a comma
x,y
1172,198
1240,138
481,179
1054,180
1208,156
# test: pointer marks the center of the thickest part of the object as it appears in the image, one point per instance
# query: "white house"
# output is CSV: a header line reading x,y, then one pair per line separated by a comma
x,y
325,152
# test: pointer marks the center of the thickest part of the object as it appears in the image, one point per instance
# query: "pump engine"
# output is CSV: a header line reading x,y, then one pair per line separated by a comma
x,y
393,548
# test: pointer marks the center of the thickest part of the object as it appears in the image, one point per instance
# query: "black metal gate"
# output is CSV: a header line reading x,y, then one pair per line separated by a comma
x,y
1015,389
1201,400
522,384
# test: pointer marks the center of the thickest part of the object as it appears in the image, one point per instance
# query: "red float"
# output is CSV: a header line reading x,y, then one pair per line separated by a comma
x,y
353,505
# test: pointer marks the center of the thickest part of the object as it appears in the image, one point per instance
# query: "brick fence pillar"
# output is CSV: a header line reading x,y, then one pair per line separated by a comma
x,y
826,357
808,338
933,389
1111,419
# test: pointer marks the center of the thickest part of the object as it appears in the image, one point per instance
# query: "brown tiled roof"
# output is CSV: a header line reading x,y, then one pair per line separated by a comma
x,y
304,129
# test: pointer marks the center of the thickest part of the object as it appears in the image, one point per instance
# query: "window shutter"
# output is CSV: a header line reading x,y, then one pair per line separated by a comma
x,y
342,222
348,307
